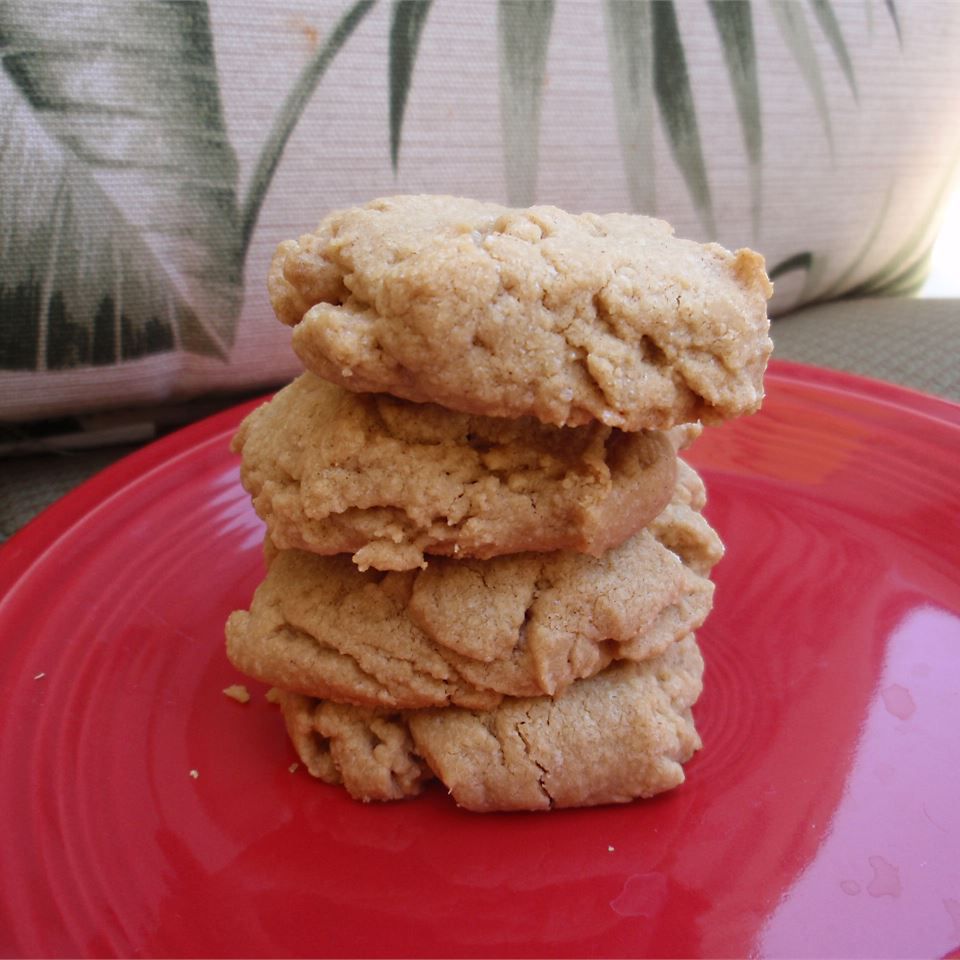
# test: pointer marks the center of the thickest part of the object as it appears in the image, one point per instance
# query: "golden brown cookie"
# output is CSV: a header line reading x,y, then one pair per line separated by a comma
x,y
369,751
388,480
615,737
682,528
535,312
469,632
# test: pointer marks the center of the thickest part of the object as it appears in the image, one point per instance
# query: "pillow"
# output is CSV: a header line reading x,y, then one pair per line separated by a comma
x,y
152,155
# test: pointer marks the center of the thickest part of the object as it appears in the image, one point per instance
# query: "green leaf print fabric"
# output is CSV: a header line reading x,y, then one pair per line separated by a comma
x,y
119,204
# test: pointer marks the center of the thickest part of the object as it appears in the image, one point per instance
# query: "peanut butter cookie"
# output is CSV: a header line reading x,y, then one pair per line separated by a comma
x,y
388,480
536,312
615,737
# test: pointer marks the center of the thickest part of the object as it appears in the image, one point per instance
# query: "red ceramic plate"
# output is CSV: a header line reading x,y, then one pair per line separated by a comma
x,y
821,819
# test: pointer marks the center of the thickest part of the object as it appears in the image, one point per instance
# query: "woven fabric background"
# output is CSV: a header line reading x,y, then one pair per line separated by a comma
x,y
915,343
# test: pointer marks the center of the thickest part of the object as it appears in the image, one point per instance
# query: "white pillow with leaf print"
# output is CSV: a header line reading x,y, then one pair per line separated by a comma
x,y
153,154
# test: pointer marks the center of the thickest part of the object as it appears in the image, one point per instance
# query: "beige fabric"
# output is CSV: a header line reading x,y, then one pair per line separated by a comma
x,y
915,343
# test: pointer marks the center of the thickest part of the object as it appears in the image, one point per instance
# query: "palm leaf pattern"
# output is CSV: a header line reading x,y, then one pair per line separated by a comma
x,y
892,10
123,231
902,273
127,241
672,85
523,31
630,52
290,112
798,261
647,62
842,280
792,22
409,18
827,19
734,23
906,268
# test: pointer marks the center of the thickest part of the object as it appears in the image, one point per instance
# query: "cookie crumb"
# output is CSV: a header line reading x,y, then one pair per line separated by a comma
x,y
238,692
273,695
39,676
294,767
195,774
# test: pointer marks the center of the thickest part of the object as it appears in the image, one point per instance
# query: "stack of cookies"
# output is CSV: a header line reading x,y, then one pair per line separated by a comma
x,y
485,559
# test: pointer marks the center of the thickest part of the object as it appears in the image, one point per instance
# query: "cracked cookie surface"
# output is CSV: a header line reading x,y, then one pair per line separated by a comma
x,y
469,632
388,480
620,735
509,313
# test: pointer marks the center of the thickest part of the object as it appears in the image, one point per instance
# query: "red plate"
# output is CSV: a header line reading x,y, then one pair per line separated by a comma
x,y
821,819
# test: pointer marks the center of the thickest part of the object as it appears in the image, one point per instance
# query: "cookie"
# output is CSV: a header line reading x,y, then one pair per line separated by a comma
x,y
469,632
388,480
613,738
682,528
536,312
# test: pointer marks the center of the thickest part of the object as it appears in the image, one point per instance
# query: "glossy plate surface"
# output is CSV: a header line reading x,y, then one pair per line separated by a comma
x,y
821,819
